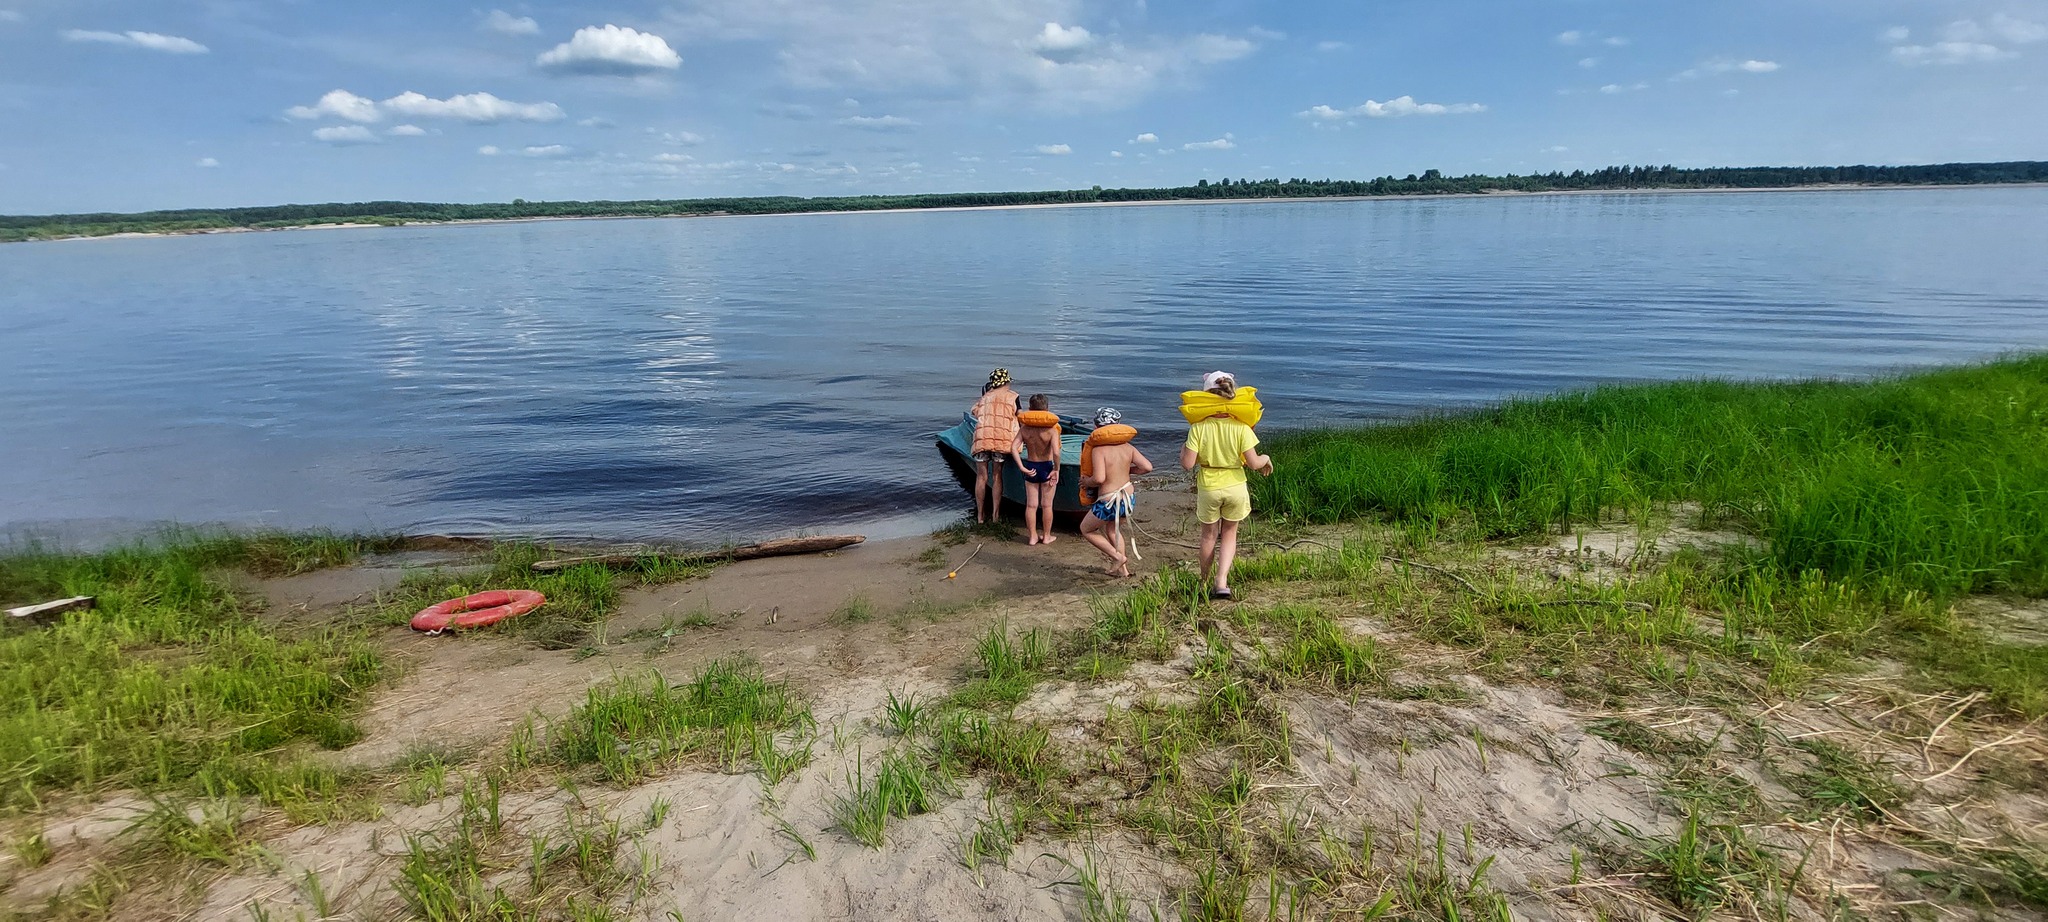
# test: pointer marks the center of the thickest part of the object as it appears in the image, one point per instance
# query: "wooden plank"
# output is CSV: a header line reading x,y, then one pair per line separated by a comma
x,y
75,603
779,547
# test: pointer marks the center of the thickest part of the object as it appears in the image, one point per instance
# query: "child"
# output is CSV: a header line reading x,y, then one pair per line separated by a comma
x,y
1221,444
1108,462
995,435
1038,445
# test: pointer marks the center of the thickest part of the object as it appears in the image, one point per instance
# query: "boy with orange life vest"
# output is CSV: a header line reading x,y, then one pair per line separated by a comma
x,y
995,436
1108,462
1038,442
1220,446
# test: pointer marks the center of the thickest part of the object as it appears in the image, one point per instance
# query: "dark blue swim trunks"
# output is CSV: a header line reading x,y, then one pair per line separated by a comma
x,y
1039,471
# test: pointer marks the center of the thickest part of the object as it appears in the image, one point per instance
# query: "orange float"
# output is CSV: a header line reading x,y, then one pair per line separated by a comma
x,y
477,610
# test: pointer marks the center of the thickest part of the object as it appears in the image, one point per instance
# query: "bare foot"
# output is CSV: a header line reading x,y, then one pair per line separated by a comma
x,y
1034,540
1048,539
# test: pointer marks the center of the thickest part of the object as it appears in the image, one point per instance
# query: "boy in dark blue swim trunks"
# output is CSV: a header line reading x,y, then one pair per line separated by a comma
x,y
1038,451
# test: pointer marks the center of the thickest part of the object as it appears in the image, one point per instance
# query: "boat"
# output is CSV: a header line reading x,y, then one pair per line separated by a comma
x,y
956,444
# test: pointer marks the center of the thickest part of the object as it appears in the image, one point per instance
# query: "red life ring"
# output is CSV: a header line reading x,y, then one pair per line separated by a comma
x,y
477,610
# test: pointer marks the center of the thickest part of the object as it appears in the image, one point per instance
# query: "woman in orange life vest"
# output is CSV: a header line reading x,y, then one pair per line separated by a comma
x,y
1220,446
995,436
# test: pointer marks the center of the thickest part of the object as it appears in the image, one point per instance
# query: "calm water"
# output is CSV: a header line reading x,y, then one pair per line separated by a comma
x,y
718,377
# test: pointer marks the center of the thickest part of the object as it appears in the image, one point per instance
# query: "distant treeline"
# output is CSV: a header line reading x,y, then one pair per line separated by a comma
x,y
1432,182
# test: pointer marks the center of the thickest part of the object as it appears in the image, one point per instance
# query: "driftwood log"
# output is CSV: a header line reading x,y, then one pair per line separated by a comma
x,y
60,606
778,548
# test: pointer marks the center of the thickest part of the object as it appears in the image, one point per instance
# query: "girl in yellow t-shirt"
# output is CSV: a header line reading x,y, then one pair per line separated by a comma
x,y
1220,446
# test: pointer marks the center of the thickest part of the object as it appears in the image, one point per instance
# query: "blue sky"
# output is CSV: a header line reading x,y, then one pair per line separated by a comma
x,y
135,104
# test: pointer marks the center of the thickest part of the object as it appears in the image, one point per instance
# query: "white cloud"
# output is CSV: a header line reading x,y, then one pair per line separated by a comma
x,y
207,163
481,108
1054,150
344,134
340,104
613,50
9,16
673,158
1117,154
1615,41
1896,34
1589,62
406,131
2000,28
543,151
992,53
1222,143
501,21
150,40
1392,108
1332,47
1556,149
1146,138
1570,37
1949,53
682,138
878,122
597,121
1056,38
1719,66
1615,88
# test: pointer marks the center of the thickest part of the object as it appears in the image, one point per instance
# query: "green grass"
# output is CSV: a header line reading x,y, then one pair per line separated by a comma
x,y
172,674
1935,482
632,726
902,785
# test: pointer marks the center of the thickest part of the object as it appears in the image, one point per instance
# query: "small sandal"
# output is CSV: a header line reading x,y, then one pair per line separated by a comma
x,y
1220,595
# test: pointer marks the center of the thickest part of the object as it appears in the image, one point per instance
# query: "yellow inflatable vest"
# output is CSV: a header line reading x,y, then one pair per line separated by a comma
x,y
1245,407
1114,434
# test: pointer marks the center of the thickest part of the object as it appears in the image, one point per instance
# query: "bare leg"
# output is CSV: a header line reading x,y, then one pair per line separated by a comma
x,y
1226,555
1031,497
980,487
1092,529
1209,549
1045,495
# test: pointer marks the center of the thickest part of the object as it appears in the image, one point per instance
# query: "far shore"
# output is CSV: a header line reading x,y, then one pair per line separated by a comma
x,y
1504,193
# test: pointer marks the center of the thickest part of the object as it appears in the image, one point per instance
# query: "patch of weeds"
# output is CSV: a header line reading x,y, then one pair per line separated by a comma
x,y
209,832
906,714
1841,782
1635,737
1009,666
33,850
631,726
903,785
964,531
931,558
1101,901
857,609
306,791
1708,865
1014,751
994,837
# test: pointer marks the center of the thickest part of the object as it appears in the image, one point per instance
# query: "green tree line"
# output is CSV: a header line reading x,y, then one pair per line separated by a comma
x,y
1431,182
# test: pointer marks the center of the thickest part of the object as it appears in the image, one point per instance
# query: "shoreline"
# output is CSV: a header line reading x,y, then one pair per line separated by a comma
x,y
1178,202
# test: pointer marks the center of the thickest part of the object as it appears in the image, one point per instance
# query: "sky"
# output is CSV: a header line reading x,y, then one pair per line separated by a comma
x,y
125,105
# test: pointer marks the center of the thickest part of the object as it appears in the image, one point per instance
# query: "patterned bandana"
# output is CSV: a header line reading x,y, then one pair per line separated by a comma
x,y
1107,416
999,378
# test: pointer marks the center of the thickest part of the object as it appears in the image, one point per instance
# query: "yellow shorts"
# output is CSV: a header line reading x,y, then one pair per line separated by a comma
x,y
1233,503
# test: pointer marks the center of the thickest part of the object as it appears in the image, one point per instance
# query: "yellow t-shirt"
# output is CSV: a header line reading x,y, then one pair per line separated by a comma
x,y
1219,446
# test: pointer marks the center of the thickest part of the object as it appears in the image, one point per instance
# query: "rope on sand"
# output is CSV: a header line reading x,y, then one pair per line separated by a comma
x,y
963,564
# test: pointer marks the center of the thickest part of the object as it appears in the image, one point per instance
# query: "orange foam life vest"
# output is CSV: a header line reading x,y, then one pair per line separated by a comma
x,y
1117,434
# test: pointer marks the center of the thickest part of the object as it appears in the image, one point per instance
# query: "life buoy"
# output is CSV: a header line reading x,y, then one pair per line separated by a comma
x,y
1114,434
477,610
1244,407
